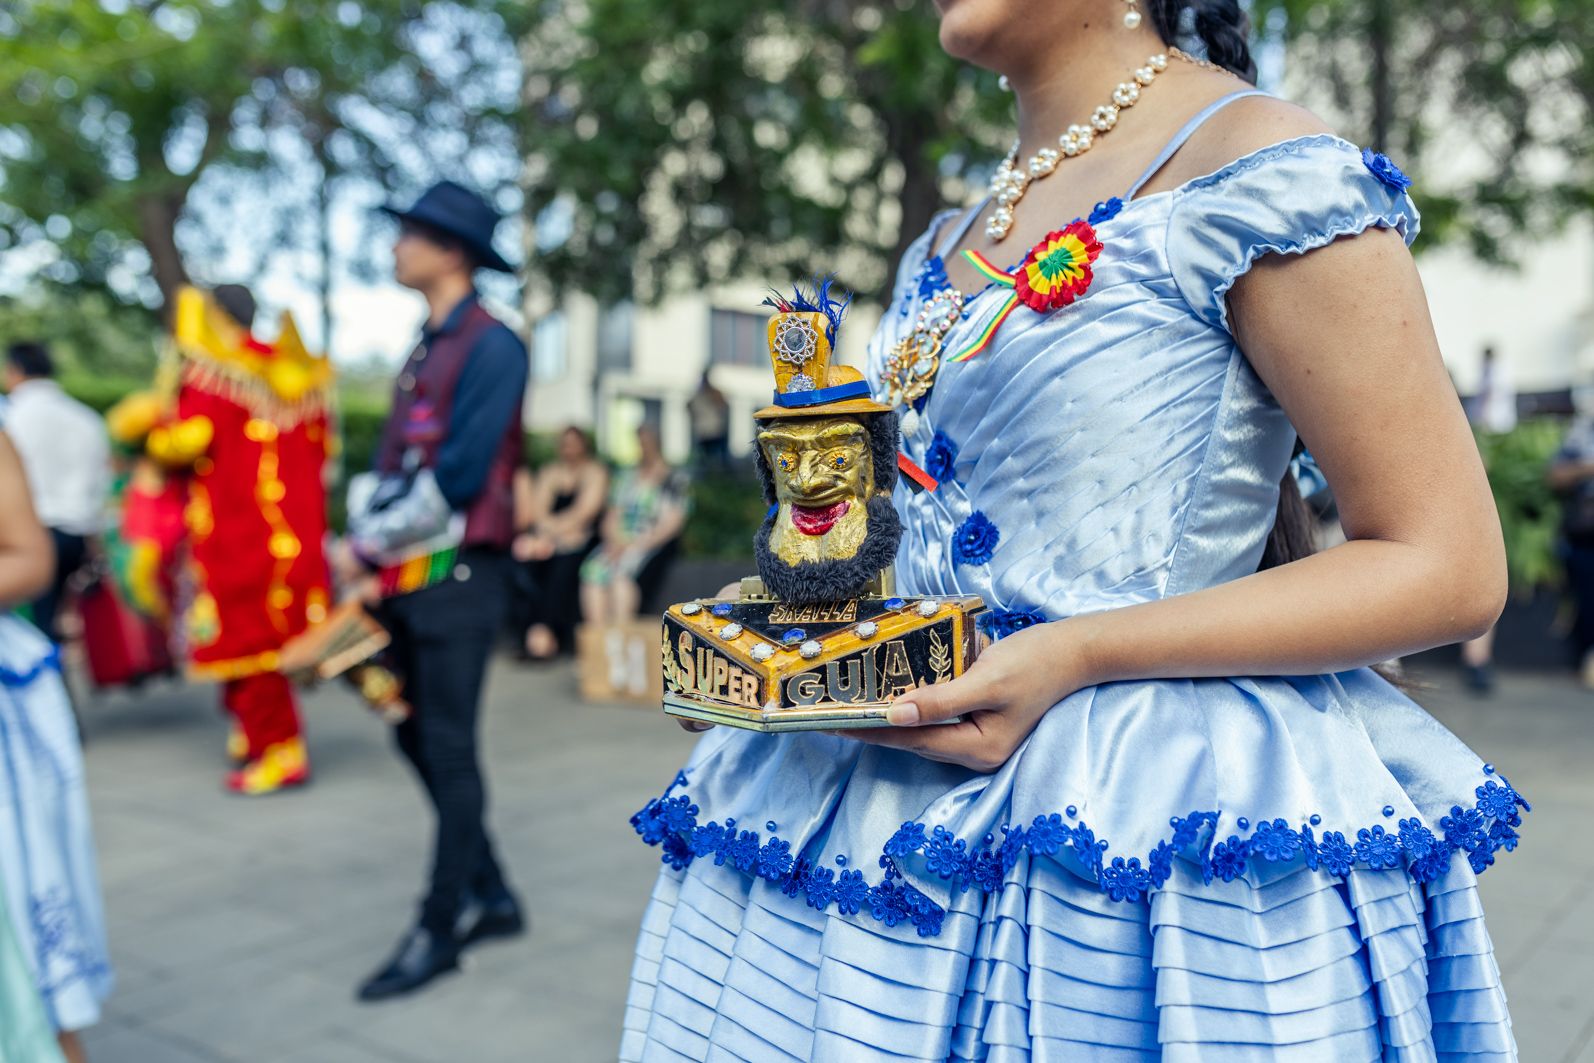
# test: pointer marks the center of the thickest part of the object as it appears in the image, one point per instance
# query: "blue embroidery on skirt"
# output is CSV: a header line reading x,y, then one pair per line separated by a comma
x,y
1481,831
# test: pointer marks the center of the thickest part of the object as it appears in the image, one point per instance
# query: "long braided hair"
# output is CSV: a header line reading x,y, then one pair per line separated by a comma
x,y
1221,26
1223,29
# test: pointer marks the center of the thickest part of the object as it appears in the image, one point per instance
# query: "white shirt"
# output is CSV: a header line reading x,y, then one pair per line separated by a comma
x,y
65,454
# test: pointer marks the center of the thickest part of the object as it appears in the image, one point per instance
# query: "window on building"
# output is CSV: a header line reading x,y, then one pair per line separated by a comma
x,y
550,347
736,337
614,336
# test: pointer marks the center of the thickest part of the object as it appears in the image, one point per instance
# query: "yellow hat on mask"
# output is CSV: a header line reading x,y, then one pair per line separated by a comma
x,y
802,333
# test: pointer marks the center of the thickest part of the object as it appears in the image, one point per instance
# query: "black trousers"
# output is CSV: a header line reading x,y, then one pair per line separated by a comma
x,y
549,592
1579,558
70,553
442,638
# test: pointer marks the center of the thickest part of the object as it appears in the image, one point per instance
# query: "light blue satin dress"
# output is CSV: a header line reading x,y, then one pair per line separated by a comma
x,y
1245,869
48,871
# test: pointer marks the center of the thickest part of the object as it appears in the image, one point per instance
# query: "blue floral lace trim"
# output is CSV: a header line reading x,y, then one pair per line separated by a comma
x,y
1479,832
50,662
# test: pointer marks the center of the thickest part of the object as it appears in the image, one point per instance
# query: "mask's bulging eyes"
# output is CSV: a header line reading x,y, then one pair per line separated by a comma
x,y
839,461
786,462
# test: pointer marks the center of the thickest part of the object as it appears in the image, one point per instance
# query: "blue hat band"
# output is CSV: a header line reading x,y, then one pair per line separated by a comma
x,y
796,400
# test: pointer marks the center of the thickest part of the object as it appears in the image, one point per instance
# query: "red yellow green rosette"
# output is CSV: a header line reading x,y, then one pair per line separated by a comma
x,y
1054,273
1057,270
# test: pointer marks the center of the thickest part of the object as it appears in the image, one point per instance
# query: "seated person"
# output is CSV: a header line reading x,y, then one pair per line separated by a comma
x,y
640,533
557,511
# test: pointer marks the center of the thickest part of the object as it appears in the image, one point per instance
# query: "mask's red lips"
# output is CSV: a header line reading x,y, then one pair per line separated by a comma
x,y
817,521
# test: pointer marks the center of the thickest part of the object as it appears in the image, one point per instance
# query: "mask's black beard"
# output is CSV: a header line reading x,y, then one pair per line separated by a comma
x,y
832,581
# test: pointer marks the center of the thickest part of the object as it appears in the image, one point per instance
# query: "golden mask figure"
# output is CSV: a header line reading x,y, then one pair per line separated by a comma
x,y
827,458
819,640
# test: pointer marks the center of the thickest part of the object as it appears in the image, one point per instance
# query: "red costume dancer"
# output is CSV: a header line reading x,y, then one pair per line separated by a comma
x,y
249,426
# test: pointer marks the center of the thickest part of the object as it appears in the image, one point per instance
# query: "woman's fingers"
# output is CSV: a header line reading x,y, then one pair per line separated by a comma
x,y
943,701
964,743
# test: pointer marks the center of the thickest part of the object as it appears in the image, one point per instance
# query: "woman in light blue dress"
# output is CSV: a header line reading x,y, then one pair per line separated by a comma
x,y
48,875
1179,817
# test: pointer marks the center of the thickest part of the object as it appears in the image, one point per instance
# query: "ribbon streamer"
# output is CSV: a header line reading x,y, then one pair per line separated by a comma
x,y
996,276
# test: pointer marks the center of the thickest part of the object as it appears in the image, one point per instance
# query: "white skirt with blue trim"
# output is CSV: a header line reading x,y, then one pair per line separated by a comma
x,y
47,864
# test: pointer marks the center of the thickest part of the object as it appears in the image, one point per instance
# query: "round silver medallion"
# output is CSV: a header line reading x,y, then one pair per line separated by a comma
x,y
730,631
868,629
928,608
763,651
795,341
809,650
691,609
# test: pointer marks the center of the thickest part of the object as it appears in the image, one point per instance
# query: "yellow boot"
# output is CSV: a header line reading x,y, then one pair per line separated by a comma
x,y
282,765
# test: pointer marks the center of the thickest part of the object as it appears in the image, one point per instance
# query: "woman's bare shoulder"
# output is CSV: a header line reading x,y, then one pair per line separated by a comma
x,y
1244,126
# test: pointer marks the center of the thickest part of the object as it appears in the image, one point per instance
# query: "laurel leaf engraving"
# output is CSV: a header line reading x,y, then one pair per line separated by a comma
x,y
670,681
940,657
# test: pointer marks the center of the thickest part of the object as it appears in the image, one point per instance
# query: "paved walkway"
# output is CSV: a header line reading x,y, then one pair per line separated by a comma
x,y
240,927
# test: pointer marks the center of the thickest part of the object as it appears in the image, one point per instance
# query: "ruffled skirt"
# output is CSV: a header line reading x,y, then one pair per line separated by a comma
x,y
1210,870
47,865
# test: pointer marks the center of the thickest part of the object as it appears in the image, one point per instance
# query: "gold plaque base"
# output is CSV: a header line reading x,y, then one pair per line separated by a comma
x,y
764,665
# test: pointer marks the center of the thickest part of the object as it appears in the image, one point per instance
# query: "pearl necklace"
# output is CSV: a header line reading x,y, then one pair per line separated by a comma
x,y
1010,182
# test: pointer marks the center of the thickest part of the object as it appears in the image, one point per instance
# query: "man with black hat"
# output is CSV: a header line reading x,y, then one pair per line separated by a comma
x,y
456,412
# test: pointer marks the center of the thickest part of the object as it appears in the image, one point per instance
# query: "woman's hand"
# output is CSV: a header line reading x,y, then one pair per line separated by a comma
x,y
532,546
996,703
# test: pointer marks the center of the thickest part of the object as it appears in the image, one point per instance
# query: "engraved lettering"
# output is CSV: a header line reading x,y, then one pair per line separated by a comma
x,y
848,688
896,675
684,651
821,613
804,688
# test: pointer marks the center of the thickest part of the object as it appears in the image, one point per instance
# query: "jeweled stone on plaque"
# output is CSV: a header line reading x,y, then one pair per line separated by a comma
x,y
819,640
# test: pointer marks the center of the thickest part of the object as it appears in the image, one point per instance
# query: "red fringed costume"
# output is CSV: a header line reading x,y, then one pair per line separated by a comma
x,y
248,429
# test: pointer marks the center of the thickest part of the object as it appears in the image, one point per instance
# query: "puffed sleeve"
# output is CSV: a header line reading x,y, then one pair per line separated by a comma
x,y
1285,199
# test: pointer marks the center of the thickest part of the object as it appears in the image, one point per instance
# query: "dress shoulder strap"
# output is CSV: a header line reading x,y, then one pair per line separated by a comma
x,y
955,233
1185,134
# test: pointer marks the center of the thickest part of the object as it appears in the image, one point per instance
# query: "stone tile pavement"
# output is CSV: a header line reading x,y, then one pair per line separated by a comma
x,y
239,928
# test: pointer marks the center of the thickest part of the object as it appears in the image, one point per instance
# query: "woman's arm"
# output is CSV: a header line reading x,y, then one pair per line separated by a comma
x,y
667,525
592,493
525,486
26,554
1566,474
1342,337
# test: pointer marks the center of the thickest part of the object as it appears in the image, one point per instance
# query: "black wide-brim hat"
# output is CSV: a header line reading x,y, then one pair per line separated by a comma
x,y
462,214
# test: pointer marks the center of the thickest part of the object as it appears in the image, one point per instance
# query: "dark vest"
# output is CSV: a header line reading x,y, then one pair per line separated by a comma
x,y
423,406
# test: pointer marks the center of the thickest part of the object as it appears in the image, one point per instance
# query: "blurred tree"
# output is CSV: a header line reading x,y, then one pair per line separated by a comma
x,y
111,111
685,142
1491,101
91,334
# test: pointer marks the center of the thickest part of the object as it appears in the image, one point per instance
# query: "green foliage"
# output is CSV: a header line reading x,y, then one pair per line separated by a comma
x,y
697,142
1530,514
727,509
1507,83
90,334
110,114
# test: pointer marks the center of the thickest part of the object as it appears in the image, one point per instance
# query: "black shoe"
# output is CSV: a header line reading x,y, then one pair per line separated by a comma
x,y
420,957
485,920
1480,678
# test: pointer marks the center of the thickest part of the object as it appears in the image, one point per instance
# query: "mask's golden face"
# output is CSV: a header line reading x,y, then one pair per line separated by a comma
x,y
823,479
